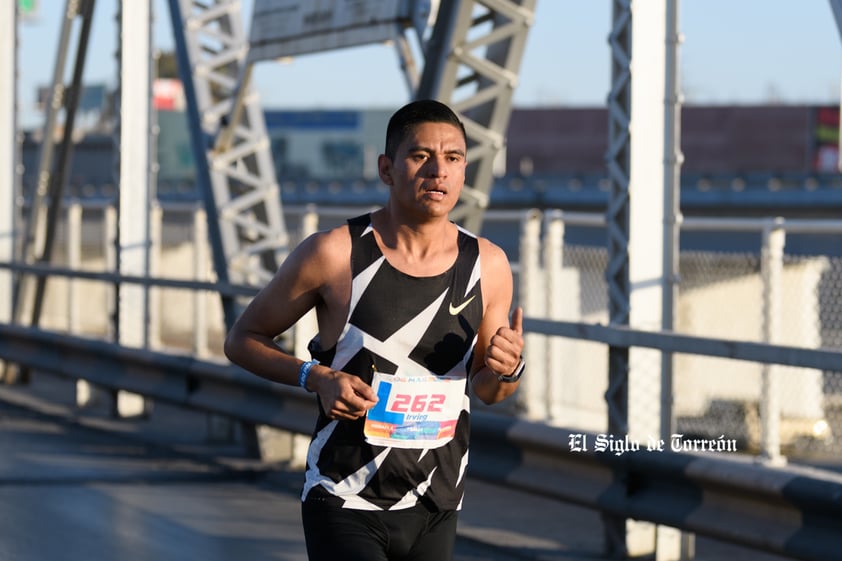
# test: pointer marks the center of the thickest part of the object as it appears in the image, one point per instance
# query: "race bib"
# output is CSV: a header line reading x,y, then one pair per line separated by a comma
x,y
414,411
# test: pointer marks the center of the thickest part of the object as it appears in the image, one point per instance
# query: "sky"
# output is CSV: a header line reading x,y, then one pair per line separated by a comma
x,y
734,52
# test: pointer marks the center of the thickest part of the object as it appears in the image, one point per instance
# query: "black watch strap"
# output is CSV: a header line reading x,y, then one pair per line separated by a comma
x,y
514,376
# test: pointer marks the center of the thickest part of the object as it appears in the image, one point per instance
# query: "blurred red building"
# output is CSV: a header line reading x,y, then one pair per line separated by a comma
x,y
714,139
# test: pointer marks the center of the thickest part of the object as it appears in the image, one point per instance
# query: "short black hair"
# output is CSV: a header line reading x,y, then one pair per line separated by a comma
x,y
415,113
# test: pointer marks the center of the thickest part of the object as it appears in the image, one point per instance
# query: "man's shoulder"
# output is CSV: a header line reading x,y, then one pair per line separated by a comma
x,y
490,250
326,244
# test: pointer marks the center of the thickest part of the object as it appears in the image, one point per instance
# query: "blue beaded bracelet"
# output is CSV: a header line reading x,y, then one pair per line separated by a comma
x,y
304,372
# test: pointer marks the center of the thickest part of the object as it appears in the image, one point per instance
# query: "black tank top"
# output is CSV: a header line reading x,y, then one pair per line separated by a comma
x,y
397,323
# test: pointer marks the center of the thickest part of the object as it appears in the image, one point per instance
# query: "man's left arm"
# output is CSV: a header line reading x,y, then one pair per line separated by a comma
x,y
498,353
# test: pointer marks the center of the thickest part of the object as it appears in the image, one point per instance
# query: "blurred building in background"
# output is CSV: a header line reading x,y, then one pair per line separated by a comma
x,y
751,158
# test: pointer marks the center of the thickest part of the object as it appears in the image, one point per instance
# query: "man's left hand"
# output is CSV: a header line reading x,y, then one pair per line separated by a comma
x,y
506,347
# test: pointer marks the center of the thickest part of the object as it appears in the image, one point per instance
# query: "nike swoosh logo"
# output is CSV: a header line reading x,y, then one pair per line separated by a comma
x,y
455,311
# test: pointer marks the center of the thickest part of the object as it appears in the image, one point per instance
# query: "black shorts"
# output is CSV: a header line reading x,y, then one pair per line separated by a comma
x,y
414,534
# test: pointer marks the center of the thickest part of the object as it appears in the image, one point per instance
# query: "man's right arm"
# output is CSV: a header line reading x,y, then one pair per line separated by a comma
x,y
311,270
293,290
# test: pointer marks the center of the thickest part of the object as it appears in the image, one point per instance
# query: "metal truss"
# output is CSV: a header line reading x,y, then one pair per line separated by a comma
x,y
246,225
617,212
472,61
617,272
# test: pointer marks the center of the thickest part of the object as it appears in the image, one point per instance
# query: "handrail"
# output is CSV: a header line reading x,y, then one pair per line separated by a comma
x,y
784,510
619,336
212,386
45,270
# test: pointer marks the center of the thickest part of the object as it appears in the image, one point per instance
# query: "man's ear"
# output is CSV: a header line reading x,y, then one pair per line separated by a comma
x,y
384,168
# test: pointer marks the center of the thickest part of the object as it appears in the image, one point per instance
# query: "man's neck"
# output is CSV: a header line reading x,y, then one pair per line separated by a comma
x,y
429,245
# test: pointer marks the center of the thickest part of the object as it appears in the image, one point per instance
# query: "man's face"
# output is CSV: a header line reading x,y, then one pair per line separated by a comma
x,y
428,171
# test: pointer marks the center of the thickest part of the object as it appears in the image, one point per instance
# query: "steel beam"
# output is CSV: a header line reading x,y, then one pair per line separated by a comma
x,y
617,213
133,140
245,223
635,218
673,159
671,544
134,175
472,61
8,153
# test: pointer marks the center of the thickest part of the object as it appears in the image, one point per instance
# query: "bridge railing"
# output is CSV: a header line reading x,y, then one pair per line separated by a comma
x,y
741,283
692,483
684,484
720,294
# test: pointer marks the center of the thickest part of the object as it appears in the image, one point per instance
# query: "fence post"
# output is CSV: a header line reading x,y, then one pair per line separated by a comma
x,y
272,443
87,394
109,251
124,404
532,398
771,266
220,427
73,239
555,295
200,273
156,248
306,327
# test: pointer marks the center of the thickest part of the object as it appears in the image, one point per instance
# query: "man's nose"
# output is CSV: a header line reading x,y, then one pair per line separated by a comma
x,y
436,167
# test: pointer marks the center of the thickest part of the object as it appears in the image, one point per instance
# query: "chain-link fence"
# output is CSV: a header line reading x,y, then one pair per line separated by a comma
x,y
742,294
750,295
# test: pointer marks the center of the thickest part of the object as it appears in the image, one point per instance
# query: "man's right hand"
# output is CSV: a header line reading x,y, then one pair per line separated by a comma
x,y
343,396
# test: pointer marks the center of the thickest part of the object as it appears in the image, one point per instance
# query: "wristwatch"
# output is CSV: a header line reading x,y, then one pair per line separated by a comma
x,y
514,376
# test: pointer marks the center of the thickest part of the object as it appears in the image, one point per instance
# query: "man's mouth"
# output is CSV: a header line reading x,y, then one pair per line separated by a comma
x,y
436,191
